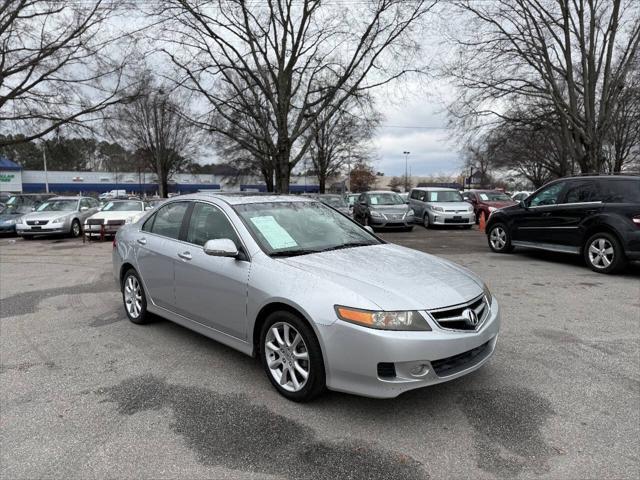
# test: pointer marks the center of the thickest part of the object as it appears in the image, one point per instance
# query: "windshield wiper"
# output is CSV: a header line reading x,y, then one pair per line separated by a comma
x,y
347,245
293,253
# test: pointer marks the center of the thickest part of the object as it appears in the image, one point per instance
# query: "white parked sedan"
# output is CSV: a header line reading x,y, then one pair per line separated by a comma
x,y
113,215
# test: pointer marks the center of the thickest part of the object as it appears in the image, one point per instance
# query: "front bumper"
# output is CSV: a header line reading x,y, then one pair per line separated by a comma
x,y
102,229
49,229
393,222
450,218
353,354
8,228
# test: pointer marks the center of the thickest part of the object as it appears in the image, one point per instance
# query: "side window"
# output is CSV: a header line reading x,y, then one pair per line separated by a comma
x,y
148,223
578,192
168,220
85,203
209,223
421,196
620,191
362,198
414,194
548,196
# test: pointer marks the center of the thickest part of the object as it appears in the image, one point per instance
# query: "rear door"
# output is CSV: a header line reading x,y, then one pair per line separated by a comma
x,y
536,222
581,200
157,244
416,202
211,290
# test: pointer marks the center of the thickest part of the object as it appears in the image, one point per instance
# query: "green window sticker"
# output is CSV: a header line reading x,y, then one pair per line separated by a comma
x,y
273,232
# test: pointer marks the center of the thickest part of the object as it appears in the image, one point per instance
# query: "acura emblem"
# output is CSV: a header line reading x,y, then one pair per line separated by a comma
x,y
470,317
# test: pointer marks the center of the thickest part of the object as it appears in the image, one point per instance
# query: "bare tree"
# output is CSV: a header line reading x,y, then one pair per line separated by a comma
x,y
573,55
297,60
58,64
156,126
342,138
362,177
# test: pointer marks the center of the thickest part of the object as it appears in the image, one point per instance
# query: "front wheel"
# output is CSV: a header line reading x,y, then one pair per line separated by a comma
x,y
76,230
425,221
291,357
499,239
603,253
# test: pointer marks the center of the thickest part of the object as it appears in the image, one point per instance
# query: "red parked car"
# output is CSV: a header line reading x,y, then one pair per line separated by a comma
x,y
486,201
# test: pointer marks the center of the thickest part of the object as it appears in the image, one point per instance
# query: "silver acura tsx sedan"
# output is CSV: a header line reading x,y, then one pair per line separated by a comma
x,y
319,299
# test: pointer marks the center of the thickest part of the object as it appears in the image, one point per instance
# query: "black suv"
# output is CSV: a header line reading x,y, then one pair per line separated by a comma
x,y
597,217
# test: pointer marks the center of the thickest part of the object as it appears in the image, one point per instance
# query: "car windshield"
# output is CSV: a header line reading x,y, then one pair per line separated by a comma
x,y
299,228
58,206
444,196
123,207
334,201
385,199
494,197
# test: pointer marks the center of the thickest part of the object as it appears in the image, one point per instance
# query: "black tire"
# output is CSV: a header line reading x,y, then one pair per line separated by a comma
x,y
499,238
425,221
409,229
316,380
143,316
602,261
28,237
76,229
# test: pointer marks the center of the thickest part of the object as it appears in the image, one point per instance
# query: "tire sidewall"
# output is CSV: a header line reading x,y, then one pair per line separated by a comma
x,y
73,230
316,381
619,259
144,315
426,222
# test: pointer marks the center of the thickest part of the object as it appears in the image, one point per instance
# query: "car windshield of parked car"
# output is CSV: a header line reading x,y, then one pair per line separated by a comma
x,y
58,206
446,196
334,201
493,197
123,207
385,199
299,228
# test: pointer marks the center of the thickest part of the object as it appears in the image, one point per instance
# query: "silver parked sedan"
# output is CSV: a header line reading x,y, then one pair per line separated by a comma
x,y
321,300
57,215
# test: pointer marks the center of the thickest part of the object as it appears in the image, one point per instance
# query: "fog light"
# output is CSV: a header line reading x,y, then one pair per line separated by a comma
x,y
419,370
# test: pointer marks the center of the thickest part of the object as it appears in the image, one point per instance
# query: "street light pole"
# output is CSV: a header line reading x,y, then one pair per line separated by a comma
x,y
406,172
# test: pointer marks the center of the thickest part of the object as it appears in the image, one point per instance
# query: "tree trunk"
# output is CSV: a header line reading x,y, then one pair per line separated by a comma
x,y
322,181
283,167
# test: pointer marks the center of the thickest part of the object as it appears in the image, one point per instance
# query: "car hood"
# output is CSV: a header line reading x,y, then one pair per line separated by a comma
x,y
13,215
117,215
393,277
47,215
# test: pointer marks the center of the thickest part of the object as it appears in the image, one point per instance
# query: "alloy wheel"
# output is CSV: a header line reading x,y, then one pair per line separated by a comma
x,y
133,296
75,229
498,238
601,253
287,356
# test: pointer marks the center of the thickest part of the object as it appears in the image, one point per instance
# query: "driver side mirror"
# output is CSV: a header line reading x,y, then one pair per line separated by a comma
x,y
523,204
221,247
84,209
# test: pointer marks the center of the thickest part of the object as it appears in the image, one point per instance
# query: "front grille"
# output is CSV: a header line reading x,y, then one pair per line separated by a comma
x,y
452,220
37,222
452,318
386,370
394,216
95,221
452,365
115,222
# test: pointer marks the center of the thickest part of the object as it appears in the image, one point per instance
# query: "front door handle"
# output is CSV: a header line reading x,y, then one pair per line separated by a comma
x,y
185,255
546,214
142,241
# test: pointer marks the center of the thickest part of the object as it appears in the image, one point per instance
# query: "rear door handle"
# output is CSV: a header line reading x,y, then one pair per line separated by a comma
x,y
185,255
142,241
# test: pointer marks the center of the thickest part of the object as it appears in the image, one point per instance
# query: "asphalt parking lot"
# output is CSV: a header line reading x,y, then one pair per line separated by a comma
x,y
84,393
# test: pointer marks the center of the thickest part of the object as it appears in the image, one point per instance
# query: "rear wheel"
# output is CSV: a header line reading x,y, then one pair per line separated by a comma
x,y
134,298
603,253
291,357
499,239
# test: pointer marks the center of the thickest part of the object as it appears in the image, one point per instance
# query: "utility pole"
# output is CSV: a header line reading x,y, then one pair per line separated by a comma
x,y
46,174
406,171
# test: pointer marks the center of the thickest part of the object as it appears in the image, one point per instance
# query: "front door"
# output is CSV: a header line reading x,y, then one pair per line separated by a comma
x,y
581,199
211,290
536,223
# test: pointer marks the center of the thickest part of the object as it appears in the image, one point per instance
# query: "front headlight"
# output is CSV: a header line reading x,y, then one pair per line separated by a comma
x,y
410,213
20,221
373,213
437,209
487,294
11,221
492,209
470,209
58,220
130,220
411,320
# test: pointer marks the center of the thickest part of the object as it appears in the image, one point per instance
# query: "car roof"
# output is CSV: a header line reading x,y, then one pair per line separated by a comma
x,y
239,199
381,191
436,189
68,198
